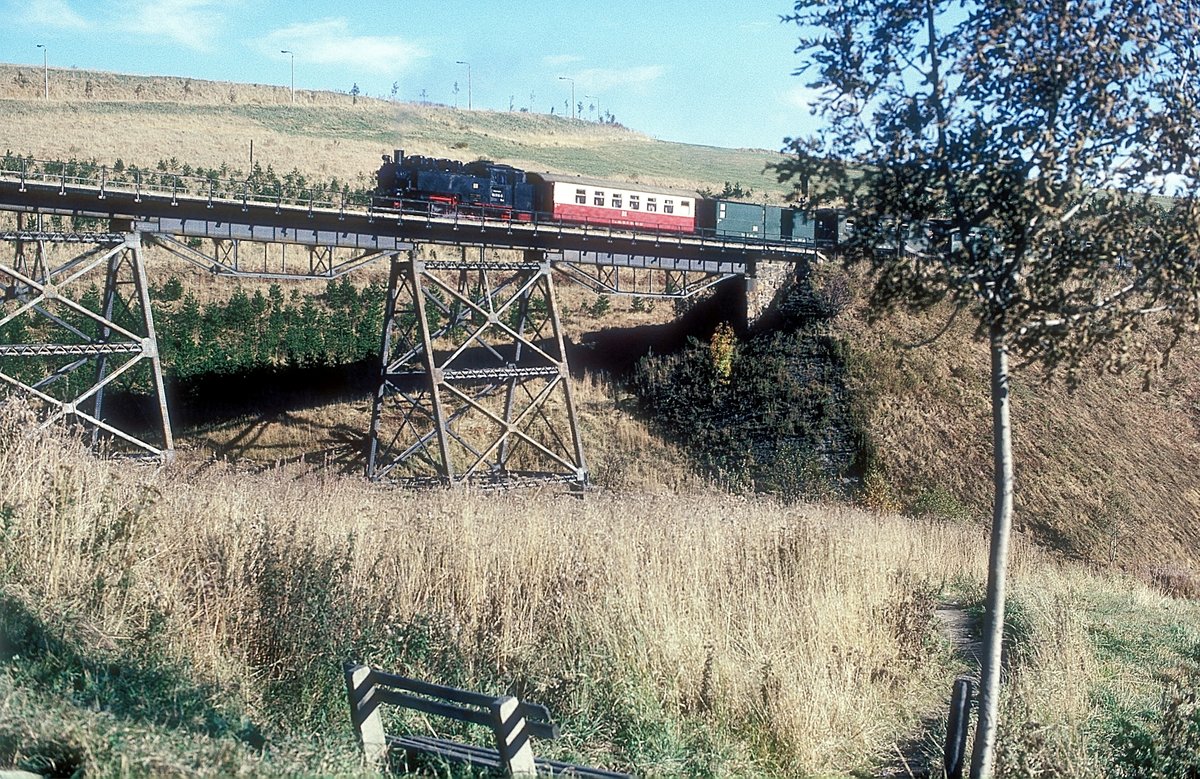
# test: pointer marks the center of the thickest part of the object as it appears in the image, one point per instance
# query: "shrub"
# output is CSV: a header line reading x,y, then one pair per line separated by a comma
x,y
769,414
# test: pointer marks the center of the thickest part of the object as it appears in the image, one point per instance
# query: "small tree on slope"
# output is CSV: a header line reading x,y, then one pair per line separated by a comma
x,y
1033,163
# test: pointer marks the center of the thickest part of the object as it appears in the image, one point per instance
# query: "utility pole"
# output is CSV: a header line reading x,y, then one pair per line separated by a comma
x,y
462,62
293,56
568,78
45,68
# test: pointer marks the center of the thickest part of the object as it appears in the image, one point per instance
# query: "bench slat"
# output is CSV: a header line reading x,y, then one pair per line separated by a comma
x,y
370,687
434,690
559,768
477,755
404,700
449,750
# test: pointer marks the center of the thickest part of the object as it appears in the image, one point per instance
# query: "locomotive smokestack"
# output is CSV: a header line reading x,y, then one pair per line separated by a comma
x,y
399,158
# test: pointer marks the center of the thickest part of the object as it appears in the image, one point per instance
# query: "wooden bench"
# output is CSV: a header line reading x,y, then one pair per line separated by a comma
x,y
513,724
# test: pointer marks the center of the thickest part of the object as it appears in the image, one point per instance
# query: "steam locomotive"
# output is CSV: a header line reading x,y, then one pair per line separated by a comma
x,y
491,190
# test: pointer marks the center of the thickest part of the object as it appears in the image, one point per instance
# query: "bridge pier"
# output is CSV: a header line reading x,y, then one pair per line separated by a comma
x,y
62,345
474,385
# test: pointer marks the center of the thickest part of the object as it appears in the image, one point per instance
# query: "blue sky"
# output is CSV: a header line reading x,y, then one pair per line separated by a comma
x,y
712,72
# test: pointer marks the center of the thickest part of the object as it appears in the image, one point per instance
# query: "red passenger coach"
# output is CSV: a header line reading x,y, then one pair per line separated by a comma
x,y
592,201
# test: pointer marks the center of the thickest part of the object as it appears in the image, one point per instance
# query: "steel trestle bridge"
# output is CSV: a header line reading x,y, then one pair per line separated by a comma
x,y
473,383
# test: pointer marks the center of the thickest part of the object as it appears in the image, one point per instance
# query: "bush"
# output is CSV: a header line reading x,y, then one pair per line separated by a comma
x,y
770,414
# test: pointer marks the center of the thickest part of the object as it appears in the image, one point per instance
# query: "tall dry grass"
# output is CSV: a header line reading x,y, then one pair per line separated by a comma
x,y
673,634
790,640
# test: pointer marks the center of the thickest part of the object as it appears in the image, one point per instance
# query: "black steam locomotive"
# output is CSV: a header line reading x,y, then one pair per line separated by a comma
x,y
478,188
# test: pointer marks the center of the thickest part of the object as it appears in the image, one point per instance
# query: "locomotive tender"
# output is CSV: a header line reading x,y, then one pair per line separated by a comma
x,y
491,190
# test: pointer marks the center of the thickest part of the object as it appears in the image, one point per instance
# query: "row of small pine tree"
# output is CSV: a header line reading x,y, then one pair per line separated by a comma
x,y
253,331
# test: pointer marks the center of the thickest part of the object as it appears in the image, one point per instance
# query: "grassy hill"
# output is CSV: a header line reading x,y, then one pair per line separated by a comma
x,y
143,120
192,620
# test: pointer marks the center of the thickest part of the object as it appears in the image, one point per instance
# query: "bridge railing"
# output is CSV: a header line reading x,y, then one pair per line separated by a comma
x,y
166,183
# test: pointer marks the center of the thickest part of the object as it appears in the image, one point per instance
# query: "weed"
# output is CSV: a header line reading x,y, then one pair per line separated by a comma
x,y
939,502
1161,744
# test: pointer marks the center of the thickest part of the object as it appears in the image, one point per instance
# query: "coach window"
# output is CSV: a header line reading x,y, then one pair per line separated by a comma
x,y
616,200
581,197
685,204
651,204
599,198
668,206
635,202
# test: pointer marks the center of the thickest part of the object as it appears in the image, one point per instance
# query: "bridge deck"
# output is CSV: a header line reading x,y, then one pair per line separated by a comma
x,y
344,223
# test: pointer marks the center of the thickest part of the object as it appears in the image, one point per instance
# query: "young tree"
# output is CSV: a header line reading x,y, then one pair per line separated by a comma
x,y
1034,164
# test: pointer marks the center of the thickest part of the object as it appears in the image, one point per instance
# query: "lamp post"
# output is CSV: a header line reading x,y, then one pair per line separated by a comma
x,y
291,54
462,62
596,102
45,67
568,78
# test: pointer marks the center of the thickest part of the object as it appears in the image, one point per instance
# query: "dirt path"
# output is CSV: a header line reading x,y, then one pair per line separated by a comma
x,y
959,628
918,757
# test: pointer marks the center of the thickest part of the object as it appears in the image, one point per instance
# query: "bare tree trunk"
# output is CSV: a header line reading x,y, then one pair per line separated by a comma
x,y
983,758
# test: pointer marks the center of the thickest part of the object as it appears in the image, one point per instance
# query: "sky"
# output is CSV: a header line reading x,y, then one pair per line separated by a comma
x,y
713,72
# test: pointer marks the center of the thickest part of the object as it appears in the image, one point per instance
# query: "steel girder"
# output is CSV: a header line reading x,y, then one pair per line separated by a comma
x,y
228,259
474,386
65,338
648,275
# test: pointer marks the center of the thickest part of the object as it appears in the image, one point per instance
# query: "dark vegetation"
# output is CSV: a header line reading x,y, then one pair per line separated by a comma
x,y
248,332
273,330
770,411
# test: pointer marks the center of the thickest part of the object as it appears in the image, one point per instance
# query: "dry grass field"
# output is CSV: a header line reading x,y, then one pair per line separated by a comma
x,y
191,619
173,621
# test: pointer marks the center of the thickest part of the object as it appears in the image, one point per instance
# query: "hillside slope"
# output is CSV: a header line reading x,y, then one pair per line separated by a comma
x,y
1107,473
146,119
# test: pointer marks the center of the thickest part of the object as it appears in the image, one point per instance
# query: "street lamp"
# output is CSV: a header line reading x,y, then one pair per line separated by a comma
x,y
568,78
595,103
45,67
461,62
293,57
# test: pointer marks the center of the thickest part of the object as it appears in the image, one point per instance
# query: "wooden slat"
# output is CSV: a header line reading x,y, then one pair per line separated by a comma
x,y
448,750
434,690
559,768
437,708
535,711
546,730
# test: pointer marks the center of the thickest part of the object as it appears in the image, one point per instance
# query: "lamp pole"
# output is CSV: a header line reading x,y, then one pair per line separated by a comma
x,y
291,54
568,78
463,62
45,68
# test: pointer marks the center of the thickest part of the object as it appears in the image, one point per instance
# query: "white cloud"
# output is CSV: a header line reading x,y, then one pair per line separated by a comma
x,y
613,78
330,42
49,13
196,24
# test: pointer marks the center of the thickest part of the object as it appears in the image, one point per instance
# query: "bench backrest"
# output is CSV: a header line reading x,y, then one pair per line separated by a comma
x,y
512,722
